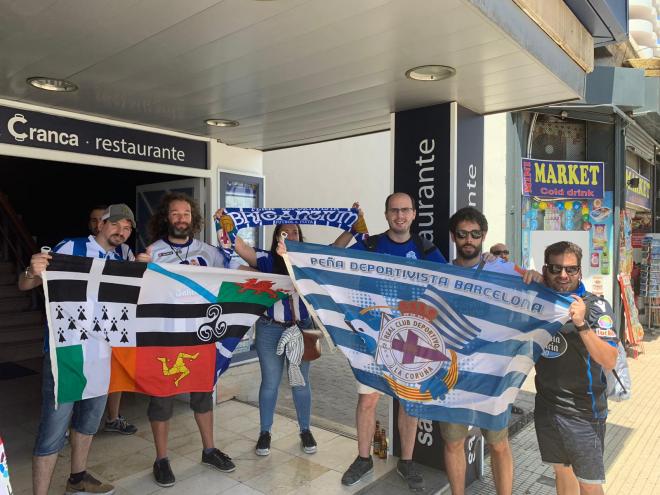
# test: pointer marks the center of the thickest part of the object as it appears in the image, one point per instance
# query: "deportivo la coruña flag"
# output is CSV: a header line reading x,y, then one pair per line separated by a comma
x,y
452,344
158,329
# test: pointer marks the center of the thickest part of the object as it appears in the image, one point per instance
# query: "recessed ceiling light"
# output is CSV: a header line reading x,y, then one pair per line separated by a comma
x,y
222,122
52,84
430,72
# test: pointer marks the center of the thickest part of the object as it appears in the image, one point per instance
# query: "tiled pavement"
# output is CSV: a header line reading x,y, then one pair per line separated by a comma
x,y
632,444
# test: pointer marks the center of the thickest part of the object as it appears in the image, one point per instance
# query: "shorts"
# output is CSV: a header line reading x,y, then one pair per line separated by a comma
x,y
366,389
572,441
84,416
161,408
452,432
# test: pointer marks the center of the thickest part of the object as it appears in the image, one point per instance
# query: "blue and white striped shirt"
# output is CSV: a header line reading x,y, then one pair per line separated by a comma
x,y
89,248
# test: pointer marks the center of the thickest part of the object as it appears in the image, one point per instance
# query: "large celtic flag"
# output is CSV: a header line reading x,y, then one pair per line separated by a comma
x,y
162,329
452,344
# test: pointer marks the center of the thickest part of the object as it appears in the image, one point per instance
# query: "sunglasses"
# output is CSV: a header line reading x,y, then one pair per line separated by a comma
x,y
498,253
462,234
556,269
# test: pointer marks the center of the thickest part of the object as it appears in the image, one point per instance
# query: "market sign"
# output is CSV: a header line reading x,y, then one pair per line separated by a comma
x,y
563,179
638,192
42,130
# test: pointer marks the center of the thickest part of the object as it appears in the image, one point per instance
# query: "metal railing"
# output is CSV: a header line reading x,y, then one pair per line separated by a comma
x,y
16,244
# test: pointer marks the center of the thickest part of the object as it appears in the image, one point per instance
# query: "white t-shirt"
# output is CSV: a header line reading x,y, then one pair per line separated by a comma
x,y
192,252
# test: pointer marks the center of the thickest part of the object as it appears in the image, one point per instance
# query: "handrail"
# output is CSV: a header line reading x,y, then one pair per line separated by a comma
x,y
16,242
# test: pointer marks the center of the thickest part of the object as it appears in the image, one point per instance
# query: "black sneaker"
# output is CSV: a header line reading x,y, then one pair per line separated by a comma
x,y
307,442
121,426
163,473
263,444
218,460
89,485
357,471
408,472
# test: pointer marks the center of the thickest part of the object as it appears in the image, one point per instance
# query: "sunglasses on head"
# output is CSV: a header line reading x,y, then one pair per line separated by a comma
x,y
475,234
500,252
556,269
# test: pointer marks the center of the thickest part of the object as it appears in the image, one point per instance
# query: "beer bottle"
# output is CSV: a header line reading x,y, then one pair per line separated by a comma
x,y
377,440
383,444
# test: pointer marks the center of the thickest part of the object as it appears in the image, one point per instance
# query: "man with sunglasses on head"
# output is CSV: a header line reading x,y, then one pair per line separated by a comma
x,y
468,228
571,401
398,241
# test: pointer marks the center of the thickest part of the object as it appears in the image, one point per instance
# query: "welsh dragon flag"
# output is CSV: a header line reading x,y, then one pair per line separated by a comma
x,y
157,329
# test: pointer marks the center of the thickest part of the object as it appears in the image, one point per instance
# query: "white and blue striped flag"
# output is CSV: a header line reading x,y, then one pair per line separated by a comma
x,y
452,344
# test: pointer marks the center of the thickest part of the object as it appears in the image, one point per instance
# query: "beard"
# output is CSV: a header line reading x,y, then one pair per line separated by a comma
x,y
469,254
116,240
180,232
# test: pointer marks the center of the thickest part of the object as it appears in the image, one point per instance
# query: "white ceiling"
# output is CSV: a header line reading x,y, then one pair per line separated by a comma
x,y
291,71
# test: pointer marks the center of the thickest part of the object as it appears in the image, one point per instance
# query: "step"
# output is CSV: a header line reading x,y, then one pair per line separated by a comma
x,y
7,267
8,278
11,290
25,318
15,304
23,350
12,335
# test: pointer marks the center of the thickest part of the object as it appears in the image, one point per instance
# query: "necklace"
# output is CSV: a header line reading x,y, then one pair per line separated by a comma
x,y
178,251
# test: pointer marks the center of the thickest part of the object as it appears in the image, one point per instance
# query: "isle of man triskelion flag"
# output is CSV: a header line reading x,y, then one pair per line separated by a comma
x,y
162,329
452,344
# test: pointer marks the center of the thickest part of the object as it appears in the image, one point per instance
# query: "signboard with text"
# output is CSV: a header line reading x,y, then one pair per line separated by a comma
x,y
563,179
41,130
638,189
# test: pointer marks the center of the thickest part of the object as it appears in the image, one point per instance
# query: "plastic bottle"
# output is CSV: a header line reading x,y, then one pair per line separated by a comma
x,y
605,261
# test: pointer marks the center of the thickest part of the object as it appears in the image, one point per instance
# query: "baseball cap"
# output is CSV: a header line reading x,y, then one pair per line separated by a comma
x,y
118,212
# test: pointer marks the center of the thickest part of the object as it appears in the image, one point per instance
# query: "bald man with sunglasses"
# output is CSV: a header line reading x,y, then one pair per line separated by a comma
x,y
571,400
468,228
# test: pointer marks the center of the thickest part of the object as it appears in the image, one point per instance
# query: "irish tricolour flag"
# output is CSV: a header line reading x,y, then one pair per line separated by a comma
x,y
158,329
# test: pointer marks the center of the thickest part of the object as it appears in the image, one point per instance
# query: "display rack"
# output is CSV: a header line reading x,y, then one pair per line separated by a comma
x,y
650,282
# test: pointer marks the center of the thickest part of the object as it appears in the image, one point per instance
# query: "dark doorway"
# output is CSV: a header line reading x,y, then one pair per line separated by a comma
x,y
54,198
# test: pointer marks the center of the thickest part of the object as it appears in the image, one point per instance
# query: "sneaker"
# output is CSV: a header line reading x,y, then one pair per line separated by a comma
x,y
263,444
218,460
89,484
163,473
408,472
357,471
120,425
307,442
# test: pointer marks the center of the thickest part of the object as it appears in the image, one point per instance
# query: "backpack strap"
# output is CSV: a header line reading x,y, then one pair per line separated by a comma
x,y
423,245
372,242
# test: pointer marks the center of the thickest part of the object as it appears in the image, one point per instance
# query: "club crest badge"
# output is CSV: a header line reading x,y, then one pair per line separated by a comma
x,y
413,351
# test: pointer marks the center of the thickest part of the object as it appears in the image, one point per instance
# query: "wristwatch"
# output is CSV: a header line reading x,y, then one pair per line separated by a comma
x,y
582,328
27,273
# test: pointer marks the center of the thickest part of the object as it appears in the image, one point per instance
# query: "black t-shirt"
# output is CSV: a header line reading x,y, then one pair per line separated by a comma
x,y
568,381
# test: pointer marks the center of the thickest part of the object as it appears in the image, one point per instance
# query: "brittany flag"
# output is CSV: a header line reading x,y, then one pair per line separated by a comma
x,y
157,329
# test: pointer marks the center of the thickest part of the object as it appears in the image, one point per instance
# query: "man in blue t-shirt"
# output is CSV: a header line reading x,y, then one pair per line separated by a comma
x,y
398,241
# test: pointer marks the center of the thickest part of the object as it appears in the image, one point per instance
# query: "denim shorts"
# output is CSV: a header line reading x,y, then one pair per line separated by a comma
x,y
572,441
84,416
161,408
